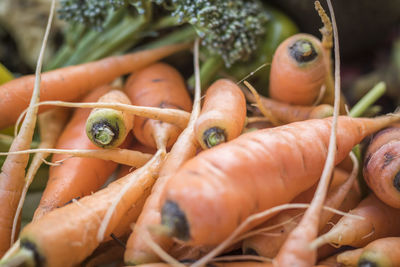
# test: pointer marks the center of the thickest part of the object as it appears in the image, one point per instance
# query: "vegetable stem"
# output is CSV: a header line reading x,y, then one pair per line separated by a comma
x,y
374,94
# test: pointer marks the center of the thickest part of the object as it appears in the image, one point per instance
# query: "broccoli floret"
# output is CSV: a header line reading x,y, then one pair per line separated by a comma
x,y
229,28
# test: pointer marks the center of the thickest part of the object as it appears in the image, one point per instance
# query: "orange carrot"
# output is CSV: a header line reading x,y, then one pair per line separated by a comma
x,y
51,124
233,175
383,252
184,148
108,128
382,165
158,85
67,235
72,82
298,70
223,114
379,221
287,113
12,175
75,177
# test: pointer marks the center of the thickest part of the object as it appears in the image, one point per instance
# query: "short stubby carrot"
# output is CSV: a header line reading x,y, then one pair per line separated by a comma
x,y
298,70
72,82
108,128
75,177
197,202
158,85
223,114
382,165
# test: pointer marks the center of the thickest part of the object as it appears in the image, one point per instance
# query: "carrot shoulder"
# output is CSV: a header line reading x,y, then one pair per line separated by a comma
x,y
233,175
72,82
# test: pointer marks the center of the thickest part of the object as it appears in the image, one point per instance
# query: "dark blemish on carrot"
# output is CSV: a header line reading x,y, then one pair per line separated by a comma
x,y
366,161
387,158
396,181
157,80
175,220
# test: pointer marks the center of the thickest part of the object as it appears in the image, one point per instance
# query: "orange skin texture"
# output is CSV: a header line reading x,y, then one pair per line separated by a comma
x,y
349,257
224,107
75,177
72,82
293,83
384,252
137,249
380,221
66,236
234,174
268,246
382,164
158,85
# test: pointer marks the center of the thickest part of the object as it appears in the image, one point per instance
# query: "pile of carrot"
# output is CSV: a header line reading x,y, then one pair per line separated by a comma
x,y
145,174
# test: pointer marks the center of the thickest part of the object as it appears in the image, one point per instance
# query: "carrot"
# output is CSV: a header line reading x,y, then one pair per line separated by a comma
x,y
51,124
383,252
293,154
74,177
108,128
72,82
382,165
158,85
67,235
223,114
287,113
379,221
13,170
268,244
349,257
184,148
298,70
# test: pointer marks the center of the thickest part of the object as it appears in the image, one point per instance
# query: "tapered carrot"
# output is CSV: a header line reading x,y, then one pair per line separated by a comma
x,y
298,70
184,148
51,124
158,85
70,83
380,221
66,236
13,170
223,114
384,252
287,113
231,176
75,177
108,128
382,165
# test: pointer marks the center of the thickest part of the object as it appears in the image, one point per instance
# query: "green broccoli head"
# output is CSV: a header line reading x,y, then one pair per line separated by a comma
x,y
229,28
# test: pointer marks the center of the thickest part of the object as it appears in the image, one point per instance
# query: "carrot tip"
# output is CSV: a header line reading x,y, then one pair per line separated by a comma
x,y
174,219
302,51
214,136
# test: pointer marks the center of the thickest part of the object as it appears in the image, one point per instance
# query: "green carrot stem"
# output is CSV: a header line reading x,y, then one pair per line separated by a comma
x,y
208,71
366,101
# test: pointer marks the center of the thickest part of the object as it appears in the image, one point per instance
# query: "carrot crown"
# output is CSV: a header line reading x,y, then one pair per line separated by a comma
x,y
303,51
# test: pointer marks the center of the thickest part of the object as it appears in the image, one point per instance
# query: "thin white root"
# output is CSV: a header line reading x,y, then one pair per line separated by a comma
x,y
123,156
177,117
139,172
260,106
253,72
